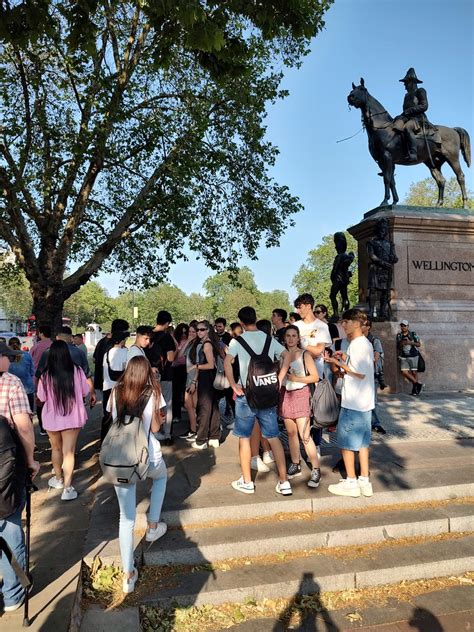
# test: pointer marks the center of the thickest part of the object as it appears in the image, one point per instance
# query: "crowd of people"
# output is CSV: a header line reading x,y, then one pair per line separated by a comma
x,y
261,374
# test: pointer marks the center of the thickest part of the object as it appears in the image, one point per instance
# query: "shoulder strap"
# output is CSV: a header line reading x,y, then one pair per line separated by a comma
x,y
246,346
306,372
266,346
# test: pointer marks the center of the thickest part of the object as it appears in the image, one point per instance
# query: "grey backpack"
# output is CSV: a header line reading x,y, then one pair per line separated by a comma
x,y
124,456
324,404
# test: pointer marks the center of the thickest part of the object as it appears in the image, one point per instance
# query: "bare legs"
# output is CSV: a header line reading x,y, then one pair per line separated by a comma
x,y
348,457
63,447
301,427
255,440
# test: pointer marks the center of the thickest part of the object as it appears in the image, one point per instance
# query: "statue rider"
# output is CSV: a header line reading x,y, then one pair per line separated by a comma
x,y
412,119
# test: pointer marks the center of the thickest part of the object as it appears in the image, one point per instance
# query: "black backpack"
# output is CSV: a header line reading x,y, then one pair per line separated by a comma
x,y
262,389
13,469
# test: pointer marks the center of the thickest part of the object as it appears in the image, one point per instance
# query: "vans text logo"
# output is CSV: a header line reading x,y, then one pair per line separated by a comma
x,y
265,380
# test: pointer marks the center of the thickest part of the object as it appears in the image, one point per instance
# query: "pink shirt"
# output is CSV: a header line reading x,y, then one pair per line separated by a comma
x,y
77,418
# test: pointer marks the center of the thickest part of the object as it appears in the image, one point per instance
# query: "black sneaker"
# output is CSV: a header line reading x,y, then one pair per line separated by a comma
x,y
189,436
419,388
315,478
294,469
380,429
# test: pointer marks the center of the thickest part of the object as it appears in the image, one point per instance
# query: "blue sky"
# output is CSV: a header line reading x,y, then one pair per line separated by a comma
x,y
337,182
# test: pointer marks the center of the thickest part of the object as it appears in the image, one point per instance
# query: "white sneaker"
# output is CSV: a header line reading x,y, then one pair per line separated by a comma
x,y
198,446
214,443
268,458
14,606
258,465
365,488
154,534
242,486
345,488
284,488
128,584
56,483
69,493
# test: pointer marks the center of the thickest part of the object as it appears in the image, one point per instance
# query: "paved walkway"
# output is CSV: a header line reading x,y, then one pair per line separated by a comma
x,y
59,529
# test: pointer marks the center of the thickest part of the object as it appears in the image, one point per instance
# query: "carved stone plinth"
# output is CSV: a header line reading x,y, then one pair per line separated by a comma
x,y
433,288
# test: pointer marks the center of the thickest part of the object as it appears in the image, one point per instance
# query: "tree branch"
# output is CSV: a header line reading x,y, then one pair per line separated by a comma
x,y
31,208
25,151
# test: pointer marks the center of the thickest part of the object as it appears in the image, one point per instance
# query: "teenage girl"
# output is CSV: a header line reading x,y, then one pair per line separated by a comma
x,y
297,372
62,387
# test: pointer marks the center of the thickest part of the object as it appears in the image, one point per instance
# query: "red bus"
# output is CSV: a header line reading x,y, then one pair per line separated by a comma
x,y
31,325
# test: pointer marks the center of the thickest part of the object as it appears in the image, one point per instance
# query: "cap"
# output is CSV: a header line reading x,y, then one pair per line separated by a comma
x,y
5,350
404,322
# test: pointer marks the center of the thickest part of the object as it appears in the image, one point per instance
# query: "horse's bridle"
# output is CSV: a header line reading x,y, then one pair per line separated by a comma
x,y
370,115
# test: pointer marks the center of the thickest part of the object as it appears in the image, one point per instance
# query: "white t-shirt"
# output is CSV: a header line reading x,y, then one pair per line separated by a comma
x,y
154,446
311,334
256,340
359,394
118,360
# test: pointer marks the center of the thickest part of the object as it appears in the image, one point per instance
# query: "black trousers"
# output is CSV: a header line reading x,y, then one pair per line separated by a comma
x,y
207,411
106,417
179,385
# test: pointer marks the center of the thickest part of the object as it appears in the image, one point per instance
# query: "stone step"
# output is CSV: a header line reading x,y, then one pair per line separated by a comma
x,y
384,564
305,531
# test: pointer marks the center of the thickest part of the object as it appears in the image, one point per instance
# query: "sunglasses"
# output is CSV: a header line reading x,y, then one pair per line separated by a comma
x,y
201,329
318,311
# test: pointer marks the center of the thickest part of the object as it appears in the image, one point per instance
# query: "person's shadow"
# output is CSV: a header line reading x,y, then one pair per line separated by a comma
x,y
315,616
425,621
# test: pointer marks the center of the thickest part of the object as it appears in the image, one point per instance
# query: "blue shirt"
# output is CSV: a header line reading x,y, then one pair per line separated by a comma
x,y
77,356
25,370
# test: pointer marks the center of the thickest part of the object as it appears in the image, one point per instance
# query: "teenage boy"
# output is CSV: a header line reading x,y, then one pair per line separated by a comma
x,y
244,415
142,342
161,354
314,333
279,317
357,404
407,346
219,326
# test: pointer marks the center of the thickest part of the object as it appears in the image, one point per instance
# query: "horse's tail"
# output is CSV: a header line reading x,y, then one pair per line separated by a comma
x,y
465,144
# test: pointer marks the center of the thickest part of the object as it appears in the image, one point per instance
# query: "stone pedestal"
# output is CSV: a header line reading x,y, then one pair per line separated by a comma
x,y
433,288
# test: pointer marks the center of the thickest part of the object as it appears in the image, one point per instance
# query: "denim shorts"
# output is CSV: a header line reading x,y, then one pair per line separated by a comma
x,y
409,364
353,429
245,420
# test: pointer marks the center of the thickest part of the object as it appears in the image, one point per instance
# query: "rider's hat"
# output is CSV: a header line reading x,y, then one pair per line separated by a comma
x,y
410,76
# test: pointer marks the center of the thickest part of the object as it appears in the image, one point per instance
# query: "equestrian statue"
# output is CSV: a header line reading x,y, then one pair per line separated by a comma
x,y
410,139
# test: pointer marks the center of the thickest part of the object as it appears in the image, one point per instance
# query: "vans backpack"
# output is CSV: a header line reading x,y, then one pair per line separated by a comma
x,y
262,389
124,456
13,469
324,404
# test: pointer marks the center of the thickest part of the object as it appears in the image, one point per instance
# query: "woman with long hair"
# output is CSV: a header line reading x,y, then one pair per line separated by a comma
x,y
204,362
297,372
22,366
190,393
62,387
179,369
138,393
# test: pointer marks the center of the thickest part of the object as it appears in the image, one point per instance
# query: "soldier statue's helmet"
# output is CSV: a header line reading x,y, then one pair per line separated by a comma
x,y
410,76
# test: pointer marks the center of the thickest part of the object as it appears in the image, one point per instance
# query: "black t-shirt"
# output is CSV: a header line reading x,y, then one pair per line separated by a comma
x,y
333,331
157,352
100,350
280,335
225,338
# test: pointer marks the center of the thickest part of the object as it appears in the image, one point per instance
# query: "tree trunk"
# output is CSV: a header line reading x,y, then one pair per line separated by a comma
x,y
48,308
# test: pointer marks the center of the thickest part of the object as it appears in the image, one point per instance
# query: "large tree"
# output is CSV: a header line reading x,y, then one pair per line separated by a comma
x,y
132,129
314,276
425,193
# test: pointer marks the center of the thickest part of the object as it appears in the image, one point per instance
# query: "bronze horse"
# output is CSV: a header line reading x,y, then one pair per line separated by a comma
x,y
386,146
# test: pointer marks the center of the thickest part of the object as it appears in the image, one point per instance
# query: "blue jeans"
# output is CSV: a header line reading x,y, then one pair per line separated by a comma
x,y
127,499
245,420
12,533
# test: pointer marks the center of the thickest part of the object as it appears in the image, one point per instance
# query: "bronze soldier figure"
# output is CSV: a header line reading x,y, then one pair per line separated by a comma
x,y
382,258
340,275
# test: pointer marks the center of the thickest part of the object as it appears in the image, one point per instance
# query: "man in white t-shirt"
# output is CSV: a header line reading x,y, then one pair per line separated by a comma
x,y
357,403
245,416
314,333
